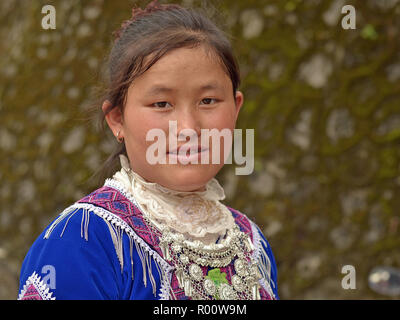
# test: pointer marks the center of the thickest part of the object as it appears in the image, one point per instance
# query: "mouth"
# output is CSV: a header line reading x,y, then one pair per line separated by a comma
x,y
187,151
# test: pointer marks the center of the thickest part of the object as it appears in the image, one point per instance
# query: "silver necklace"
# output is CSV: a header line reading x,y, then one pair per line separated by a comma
x,y
188,258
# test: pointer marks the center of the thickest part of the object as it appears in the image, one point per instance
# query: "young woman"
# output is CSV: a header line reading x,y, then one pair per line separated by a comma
x,y
157,230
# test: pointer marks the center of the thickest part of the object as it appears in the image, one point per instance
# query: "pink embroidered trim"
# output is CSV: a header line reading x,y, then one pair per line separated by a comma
x,y
35,289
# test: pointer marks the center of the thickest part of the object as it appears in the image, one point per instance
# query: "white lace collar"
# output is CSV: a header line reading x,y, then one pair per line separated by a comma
x,y
198,215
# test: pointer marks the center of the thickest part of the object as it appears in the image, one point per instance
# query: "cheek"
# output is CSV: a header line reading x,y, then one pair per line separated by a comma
x,y
137,132
219,146
222,119
138,125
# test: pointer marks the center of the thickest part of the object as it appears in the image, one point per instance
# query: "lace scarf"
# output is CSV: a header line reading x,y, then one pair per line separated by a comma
x,y
198,215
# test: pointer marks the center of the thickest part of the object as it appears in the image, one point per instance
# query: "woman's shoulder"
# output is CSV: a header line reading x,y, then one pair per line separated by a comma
x,y
71,259
91,239
89,222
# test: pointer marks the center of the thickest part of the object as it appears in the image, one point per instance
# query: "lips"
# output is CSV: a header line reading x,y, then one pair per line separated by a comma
x,y
187,150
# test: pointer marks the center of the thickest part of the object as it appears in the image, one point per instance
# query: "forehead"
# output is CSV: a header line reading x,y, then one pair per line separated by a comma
x,y
186,67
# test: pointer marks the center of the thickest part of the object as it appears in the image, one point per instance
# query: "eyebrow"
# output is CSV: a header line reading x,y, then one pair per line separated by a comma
x,y
162,89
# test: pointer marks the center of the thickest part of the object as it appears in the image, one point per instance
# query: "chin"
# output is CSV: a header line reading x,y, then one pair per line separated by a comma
x,y
189,177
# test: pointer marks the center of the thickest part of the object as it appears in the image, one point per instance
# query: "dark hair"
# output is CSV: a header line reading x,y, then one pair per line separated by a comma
x,y
144,39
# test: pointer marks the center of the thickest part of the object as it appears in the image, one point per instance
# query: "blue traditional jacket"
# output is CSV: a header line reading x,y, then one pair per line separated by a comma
x,y
101,247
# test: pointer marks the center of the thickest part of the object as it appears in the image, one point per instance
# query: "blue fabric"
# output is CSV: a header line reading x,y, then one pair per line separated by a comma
x,y
90,269
274,270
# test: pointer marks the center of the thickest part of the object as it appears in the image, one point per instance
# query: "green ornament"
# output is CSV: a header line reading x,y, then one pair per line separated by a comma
x,y
218,278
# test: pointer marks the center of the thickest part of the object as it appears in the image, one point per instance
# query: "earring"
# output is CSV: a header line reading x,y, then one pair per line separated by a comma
x,y
120,140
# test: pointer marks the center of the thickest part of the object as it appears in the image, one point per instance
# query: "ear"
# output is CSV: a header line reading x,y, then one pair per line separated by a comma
x,y
239,98
114,118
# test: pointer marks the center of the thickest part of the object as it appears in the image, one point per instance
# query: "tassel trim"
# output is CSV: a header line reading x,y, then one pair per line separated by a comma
x,y
117,227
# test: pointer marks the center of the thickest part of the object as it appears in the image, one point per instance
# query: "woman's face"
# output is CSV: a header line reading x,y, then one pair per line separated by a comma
x,y
187,86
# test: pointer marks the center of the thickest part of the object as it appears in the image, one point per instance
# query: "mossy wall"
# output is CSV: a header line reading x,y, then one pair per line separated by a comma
x,y
324,103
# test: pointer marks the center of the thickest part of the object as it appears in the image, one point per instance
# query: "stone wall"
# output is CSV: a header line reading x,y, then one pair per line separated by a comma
x,y
324,103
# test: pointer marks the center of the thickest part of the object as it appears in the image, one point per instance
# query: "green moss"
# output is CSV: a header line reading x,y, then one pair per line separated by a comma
x,y
389,162
369,32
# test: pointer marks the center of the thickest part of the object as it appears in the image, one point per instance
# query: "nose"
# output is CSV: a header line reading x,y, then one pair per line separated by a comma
x,y
188,123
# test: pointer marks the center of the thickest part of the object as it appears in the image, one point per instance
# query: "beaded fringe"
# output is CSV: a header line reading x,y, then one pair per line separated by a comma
x,y
117,228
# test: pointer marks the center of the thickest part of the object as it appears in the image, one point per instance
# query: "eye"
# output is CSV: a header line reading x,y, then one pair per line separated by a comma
x,y
208,100
160,104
